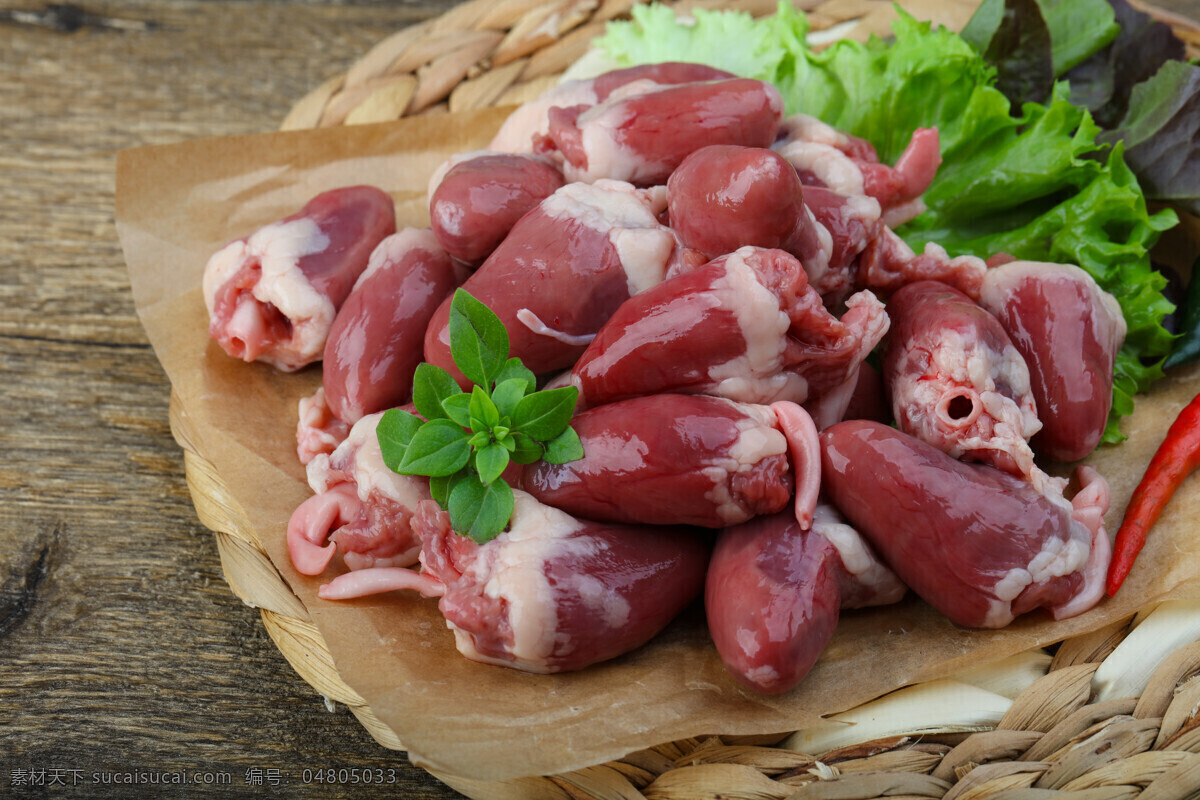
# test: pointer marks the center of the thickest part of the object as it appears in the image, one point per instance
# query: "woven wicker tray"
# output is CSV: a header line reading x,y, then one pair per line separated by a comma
x,y
1072,721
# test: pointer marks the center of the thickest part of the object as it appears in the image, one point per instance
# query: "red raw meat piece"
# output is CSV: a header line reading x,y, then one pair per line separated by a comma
x,y
480,196
684,460
976,543
642,136
272,296
376,340
774,590
530,122
956,380
563,270
360,504
723,197
551,593
1068,330
825,156
745,326
887,263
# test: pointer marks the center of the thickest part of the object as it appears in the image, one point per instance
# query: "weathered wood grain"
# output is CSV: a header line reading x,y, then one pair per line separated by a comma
x,y
121,647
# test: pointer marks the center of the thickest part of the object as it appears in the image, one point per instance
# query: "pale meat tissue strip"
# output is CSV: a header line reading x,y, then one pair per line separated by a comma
x,y
361,508
551,593
825,156
272,296
978,544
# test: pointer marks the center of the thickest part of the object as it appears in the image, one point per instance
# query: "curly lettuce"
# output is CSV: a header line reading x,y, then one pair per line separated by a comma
x,y
1034,182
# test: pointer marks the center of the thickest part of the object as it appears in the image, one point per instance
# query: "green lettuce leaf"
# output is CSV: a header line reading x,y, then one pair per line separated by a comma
x,y
1035,183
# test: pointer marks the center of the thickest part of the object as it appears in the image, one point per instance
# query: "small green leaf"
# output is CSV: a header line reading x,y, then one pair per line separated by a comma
x,y
564,448
395,430
431,386
490,462
439,488
478,340
438,448
525,450
544,415
509,443
515,370
478,511
483,412
457,408
480,439
508,393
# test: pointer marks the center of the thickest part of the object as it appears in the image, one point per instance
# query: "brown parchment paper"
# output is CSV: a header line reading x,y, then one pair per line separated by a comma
x,y
178,204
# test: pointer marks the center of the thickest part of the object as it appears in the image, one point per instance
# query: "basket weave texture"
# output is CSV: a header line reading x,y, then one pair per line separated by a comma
x,y
1075,724
1063,724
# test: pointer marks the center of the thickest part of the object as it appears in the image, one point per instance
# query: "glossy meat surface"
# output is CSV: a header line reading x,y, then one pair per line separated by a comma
x,y
479,199
670,459
976,543
563,270
723,197
744,326
530,122
955,379
272,296
554,593
772,599
1069,331
642,136
848,165
774,590
375,342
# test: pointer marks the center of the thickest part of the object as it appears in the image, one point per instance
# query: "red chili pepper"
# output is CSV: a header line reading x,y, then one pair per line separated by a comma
x,y
1175,459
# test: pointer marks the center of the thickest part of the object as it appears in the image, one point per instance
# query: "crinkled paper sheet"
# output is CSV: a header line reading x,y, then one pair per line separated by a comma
x,y
178,204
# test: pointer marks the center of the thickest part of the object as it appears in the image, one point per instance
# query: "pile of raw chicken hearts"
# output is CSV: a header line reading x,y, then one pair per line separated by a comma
x,y
723,286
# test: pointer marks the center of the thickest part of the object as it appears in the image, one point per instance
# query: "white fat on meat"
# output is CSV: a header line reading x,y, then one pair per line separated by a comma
x,y
755,376
829,165
1058,557
278,248
531,120
757,438
882,585
816,264
973,370
999,284
806,128
359,458
391,249
515,572
626,215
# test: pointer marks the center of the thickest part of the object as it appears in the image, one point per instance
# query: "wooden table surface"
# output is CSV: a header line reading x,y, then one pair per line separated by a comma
x,y
122,649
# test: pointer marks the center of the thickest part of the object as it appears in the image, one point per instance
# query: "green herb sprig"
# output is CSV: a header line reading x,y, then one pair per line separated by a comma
x,y
467,438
